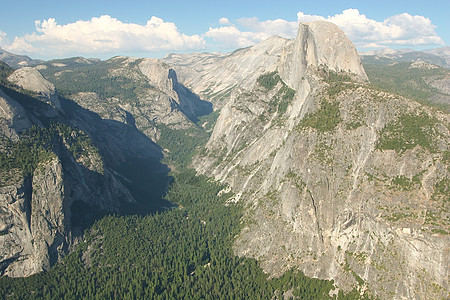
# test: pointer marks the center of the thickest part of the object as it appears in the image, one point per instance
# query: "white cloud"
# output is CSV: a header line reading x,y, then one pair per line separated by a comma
x,y
107,35
233,35
224,21
403,29
230,37
104,34
301,17
278,27
2,36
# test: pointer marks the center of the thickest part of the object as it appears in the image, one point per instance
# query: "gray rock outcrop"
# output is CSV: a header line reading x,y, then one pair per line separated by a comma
x,y
34,220
13,118
30,79
319,190
319,44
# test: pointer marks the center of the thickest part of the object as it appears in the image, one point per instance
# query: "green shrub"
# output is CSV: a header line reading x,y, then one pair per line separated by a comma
x,y
407,132
37,144
269,80
326,118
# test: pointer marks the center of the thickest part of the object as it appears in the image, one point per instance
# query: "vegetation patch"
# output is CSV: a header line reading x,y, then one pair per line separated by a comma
x,y
407,132
403,80
353,125
323,153
104,78
182,143
325,119
280,102
208,121
269,80
297,180
5,71
337,87
37,145
403,183
442,191
331,76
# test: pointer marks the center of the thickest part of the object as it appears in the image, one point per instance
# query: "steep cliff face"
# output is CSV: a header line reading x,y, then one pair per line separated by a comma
x,y
61,168
338,179
13,118
214,76
319,44
30,79
139,92
34,220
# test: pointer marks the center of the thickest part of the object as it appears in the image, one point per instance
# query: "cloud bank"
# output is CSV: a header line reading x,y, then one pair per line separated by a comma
x,y
104,34
403,29
107,35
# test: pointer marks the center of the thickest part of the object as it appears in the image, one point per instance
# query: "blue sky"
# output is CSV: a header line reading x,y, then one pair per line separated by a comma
x,y
98,28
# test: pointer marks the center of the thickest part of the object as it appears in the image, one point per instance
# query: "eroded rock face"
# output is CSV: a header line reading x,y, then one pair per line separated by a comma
x,y
30,79
319,44
214,76
321,189
34,217
13,118
83,174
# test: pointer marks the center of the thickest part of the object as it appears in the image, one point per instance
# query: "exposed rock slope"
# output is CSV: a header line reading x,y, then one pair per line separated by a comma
x,y
60,169
214,76
16,61
140,92
30,79
343,181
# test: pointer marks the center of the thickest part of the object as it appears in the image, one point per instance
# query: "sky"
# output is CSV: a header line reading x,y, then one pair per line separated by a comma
x,y
103,29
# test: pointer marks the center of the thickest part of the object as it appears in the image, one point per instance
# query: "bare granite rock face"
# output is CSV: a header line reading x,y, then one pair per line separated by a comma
x,y
13,118
337,179
34,217
214,76
442,85
164,101
319,44
30,79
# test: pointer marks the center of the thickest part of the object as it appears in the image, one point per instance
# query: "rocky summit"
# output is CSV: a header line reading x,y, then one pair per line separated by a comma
x,y
337,177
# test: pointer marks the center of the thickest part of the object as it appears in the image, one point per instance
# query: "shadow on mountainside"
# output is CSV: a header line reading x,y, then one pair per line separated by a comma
x,y
133,157
132,160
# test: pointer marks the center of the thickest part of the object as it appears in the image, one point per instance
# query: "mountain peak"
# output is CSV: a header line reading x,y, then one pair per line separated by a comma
x,y
318,44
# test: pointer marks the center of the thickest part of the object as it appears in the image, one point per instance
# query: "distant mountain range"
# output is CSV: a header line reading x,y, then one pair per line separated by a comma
x,y
17,61
438,56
